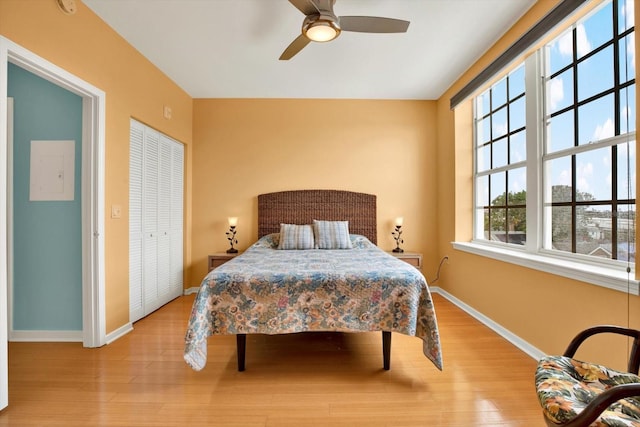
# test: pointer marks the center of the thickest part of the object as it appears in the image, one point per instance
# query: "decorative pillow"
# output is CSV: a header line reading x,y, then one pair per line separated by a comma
x,y
296,237
360,242
270,241
565,386
332,234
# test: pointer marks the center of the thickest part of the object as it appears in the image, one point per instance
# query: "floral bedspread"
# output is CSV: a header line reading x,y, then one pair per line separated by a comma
x,y
271,291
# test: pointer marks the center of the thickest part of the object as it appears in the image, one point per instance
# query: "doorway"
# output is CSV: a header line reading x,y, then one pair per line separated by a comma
x,y
44,210
92,209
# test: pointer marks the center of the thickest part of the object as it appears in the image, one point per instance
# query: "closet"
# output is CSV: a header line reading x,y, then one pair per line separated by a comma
x,y
156,178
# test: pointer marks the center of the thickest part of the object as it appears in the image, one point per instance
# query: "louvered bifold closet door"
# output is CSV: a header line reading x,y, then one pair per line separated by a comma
x,y
136,306
164,218
177,209
156,179
150,220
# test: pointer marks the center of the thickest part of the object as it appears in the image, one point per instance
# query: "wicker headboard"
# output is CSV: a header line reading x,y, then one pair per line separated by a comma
x,y
303,206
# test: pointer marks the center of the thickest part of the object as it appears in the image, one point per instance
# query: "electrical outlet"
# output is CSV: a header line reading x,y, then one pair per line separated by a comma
x,y
167,112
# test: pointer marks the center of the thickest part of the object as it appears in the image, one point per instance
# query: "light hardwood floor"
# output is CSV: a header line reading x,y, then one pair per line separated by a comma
x,y
296,380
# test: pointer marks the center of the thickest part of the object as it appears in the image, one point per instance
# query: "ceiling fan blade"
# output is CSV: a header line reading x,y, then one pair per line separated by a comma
x,y
296,46
373,24
308,7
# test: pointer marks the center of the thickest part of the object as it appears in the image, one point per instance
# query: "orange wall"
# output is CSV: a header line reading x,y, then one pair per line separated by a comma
x,y
247,147
85,46
543,309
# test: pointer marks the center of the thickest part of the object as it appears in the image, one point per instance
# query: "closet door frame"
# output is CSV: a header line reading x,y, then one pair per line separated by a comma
x,y
158,281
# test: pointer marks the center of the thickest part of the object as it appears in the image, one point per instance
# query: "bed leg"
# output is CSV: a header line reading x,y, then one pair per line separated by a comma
x,y
386,349
241,345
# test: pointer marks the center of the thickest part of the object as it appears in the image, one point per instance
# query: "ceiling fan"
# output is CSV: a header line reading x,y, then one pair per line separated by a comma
x,y
322,25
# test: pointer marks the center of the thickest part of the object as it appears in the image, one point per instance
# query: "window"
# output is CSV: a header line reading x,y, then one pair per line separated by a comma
x,y
501,160
554,146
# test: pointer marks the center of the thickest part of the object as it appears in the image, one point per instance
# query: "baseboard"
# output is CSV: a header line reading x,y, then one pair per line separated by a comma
x,y
119,333
527,348
45,336
191,290
63,336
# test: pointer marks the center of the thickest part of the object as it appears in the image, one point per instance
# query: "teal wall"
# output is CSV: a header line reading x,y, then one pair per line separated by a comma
x,y
47,245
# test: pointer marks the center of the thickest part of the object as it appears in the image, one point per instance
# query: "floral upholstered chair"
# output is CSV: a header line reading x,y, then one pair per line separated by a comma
x,y
573,393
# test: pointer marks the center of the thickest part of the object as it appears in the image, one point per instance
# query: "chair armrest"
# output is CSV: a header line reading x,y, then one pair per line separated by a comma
x,y
595,408
634,359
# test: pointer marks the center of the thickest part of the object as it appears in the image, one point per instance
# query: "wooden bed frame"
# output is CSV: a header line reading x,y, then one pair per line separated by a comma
x,y
302,207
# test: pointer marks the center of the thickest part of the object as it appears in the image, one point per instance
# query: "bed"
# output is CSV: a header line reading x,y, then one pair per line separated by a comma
x,y
276,287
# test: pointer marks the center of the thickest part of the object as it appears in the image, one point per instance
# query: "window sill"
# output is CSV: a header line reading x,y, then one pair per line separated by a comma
x,y
600,275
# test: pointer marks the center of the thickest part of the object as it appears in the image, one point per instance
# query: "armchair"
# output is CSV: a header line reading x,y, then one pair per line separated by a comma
x,y
573,393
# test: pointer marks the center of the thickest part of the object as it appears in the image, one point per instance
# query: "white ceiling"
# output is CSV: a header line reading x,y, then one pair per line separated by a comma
x,y
230,48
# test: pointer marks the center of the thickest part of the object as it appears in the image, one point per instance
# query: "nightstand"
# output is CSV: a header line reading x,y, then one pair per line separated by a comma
x,y
216,260
412,258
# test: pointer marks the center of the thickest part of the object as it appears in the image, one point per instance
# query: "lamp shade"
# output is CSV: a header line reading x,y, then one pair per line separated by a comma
x,y
233,221
399,221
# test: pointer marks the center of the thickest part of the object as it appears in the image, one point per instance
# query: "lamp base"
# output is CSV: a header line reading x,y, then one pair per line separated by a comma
x,y
232,251
398,250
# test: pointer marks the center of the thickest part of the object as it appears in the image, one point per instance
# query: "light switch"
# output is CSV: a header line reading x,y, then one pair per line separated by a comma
x,y
116,211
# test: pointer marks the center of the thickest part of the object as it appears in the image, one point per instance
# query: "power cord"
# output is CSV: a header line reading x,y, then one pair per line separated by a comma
x,y
446,258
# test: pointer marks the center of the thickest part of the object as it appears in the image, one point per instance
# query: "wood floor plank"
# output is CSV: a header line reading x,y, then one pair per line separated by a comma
x,y
313,379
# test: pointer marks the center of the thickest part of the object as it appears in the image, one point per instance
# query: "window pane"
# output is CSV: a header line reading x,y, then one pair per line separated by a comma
x,y
625,15
517,226
561,228
627,170
499,123
517,187
484,158
516,82
482,191
517,114
497,220
560,52
596,120
498,189
482,104
626,233
483,132
500,153
595,74
558,180
593,231
627,58
593,175
560,132
628,109
485,226
499,94
596,30
560,91
517,147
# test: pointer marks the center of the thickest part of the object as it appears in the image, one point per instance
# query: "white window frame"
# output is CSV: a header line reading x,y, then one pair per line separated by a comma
x,y
610,274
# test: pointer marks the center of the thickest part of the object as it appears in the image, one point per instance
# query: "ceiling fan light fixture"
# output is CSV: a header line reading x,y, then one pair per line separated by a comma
x,y
321,24
321,30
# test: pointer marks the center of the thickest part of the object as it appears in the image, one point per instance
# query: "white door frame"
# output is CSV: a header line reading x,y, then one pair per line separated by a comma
x,y
93,142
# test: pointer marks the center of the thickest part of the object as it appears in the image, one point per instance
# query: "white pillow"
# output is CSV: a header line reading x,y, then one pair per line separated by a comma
x,y
332,234
296,237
